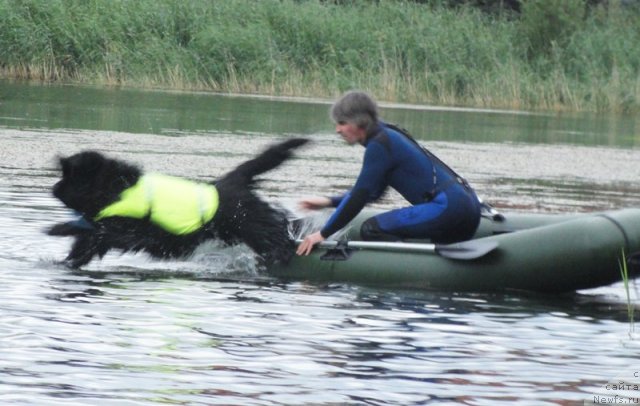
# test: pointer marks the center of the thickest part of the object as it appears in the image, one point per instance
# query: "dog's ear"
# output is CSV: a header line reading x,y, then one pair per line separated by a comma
x,y
84,164
65,166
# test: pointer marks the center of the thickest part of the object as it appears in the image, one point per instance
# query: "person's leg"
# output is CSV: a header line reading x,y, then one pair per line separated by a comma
x,y
370,231
450,217
406,222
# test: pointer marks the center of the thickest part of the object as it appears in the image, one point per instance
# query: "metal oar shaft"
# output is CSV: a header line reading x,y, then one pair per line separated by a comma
x,y
464,250
382,246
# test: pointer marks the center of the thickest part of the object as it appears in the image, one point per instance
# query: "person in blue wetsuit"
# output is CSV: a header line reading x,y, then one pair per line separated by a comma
x,y
444,208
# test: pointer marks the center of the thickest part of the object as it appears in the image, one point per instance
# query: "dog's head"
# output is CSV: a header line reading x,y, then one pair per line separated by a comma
x,y
90,181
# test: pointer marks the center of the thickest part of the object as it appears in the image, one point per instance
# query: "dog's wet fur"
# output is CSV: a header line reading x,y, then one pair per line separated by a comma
x,y
91,181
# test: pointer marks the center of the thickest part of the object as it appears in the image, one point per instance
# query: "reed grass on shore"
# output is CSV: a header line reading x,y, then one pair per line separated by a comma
x,y
624,272
555,54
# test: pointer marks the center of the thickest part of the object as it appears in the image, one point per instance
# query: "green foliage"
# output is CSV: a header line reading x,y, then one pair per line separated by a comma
x,y
556,54
549,24
624,272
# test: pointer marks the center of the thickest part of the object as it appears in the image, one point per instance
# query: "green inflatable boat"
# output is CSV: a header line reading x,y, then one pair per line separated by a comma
x,y
531,252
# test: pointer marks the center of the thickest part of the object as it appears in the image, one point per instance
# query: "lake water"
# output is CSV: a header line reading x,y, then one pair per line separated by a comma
x,y
212,329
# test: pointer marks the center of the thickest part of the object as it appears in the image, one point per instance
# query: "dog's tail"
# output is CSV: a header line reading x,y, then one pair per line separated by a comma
x,y
269,159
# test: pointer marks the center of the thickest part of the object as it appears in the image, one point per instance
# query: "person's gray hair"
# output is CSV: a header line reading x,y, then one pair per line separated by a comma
x,y
355,107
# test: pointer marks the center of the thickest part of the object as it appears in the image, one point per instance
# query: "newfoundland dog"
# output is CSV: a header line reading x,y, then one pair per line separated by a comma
x,y
168,217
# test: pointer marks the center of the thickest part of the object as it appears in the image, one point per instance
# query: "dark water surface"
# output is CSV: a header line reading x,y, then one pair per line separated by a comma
x,y
213,329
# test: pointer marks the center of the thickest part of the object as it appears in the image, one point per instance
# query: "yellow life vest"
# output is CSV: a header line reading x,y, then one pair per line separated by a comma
x,y
177,205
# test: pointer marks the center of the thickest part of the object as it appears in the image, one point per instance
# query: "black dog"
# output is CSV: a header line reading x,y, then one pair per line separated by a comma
x,y
167,217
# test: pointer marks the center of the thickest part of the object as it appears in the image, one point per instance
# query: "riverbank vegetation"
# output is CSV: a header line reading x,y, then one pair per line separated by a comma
x,y
624,272
550,54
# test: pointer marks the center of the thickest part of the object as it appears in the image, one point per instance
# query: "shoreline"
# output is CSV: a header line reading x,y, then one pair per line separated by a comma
x,y
551,56
285,98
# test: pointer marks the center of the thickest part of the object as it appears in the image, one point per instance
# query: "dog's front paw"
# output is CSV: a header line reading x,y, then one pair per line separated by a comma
x,y
61,229
74,227
73,263
65,263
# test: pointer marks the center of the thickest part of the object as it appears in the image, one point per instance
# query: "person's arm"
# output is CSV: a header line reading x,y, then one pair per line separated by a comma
x,y
371,182
369,186
314,203
336,200
350,206
320,202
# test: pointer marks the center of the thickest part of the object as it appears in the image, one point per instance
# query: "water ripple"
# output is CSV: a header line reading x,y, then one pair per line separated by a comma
x,y
213,329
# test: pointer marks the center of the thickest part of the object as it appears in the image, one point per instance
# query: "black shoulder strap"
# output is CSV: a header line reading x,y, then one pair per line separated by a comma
x,y
487,209
429,154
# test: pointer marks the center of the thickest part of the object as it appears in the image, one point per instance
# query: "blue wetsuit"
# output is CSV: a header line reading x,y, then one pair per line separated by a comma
x,y
444,208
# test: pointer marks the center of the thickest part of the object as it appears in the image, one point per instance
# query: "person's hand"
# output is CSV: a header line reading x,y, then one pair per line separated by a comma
x,y
307,244
314,203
